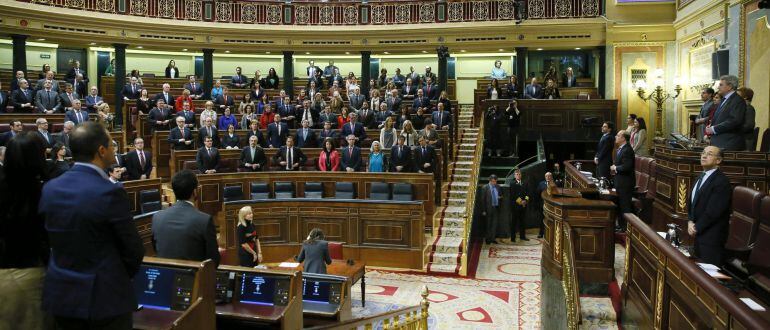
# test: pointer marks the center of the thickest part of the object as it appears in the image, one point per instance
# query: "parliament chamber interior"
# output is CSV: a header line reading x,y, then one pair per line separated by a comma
x,y
384,164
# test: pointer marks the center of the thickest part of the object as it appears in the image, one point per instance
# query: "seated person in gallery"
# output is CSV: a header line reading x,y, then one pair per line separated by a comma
x,y
551,92
315,253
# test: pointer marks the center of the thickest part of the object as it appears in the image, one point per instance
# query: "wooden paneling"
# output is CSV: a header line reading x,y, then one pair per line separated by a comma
x,y
371,230
133,188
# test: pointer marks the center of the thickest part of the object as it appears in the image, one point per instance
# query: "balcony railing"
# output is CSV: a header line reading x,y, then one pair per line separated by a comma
x,y
341,13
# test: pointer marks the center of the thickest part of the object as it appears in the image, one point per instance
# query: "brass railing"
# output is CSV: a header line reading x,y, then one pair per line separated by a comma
x,y
569,279
407,318
470,198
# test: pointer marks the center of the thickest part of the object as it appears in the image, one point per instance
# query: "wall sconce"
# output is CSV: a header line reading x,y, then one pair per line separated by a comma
x,y
657,95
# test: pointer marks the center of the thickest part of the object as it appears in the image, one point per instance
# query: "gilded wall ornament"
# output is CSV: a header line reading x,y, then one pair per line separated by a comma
x,y
302,15
166,8
590,8
350,15
427,12
402,14
223,11
378,14
326,15
506,10
563,8
105,5
480,10
536,9
193,9
139,7
74,3
455,11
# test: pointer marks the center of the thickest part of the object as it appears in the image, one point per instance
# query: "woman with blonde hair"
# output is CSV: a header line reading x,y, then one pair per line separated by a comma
x,y
208,112
250,252
409,133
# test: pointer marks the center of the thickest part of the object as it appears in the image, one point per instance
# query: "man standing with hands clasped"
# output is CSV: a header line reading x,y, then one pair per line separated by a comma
x,y
492,197
625,178
709,212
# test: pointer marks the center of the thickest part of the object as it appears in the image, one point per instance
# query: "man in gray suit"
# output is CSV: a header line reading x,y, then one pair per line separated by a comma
x,y
356,100
181,231
48,78
46,100
707,96
492,198
726,129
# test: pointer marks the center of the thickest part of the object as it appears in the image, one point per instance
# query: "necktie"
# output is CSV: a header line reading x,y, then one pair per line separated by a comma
x,y
70,97
617,155
304,133
350,152
697,185
423,151
279,129
252,154
80,119
45,135
289,157
117,159
209,130
141,159
209,151
193,86
493,191
133,89
440,123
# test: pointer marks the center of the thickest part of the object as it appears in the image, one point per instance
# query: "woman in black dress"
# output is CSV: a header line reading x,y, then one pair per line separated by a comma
x,y
231,140
272,80
250,253
58,164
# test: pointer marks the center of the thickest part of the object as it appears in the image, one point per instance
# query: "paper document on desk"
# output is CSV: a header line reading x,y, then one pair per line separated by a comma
x,y
753,304
586,173
708,267
288,264
662,234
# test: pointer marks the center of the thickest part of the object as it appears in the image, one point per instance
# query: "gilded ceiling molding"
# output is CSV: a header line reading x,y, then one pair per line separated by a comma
x,y
742,45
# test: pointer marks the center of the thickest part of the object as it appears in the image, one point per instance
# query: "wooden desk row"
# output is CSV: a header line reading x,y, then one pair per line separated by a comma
x,y
485,82
558,120
212,186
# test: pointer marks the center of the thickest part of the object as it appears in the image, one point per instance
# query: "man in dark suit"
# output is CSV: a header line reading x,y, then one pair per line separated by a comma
x,y
46,100
312,69
316,81
569,79
42,129
79,85
431,91
726,128
519,194
23,100
95,247
424,157
225,101
189,115
180,136
421,101
74,72
412,75
351,155
133,90
306,136
208,130
68,96
160,116
709,212
16,129
207,157
393,101
400,156
409,90
366,116
603,157
49,78
326,132
253,157
16,82
491,197
289,157
330,69
355,128
336,77
356,100
75,114
94,102
181,231
138,162
326,116
65,135
625,177
196,90
239,80
4,99
288,112
304,112
441,117
166,96
398,79
533,90
277,132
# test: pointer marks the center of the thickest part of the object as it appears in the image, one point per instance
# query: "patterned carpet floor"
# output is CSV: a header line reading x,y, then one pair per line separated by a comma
x,y
504,294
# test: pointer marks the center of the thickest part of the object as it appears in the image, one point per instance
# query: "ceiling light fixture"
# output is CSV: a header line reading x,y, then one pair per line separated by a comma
x,y
539,49
139,47
227,51
577,48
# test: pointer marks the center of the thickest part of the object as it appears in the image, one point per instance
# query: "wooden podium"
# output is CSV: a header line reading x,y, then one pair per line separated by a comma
x,y
678,169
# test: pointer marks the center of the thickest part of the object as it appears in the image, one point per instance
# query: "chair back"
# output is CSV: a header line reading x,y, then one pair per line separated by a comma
x,y
259,190
402,192
344,190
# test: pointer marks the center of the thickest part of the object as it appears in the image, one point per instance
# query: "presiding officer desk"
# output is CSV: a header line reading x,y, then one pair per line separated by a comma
x,y
175,294
374,232
663,289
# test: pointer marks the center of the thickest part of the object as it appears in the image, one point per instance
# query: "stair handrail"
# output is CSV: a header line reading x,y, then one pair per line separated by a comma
x,y
470,198
414,317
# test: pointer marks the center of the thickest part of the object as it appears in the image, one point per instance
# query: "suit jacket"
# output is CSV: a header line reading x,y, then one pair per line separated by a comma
x,y
420,158
197,90
334,159
227,101
168,98
604,154
316,257
728,124
281,155
368,119
315,67
132,93
175,134
260,138
4,101
446,119
65,99
189,117
350,159
410,90
357,130
399,80
207,161
487,198
238,81
323,134
432,92
273,138
710,211
421,102
134,168
625,177
72,116
537,94
518,191
305,142
15,84
393,104
91,102
168,73
183,232
95,247
47,138
156,115
568,82
328,116
203,132
258,157
356,101
228,141
19,97
41,85
6,137
45,101
72,73
402,158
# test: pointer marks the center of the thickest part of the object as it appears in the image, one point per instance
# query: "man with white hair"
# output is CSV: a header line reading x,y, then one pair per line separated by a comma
x,y
726,129
15,83
64,136
23,100
133,90
166,96
75,114
46,100
95,103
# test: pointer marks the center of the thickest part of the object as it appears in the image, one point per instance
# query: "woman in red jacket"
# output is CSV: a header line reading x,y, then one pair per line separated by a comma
x,y
329,160
182,99
267,117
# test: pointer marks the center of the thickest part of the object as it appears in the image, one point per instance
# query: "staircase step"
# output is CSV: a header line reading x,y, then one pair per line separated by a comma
x,y
455,211
456,201
453,222
442,268
444,259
